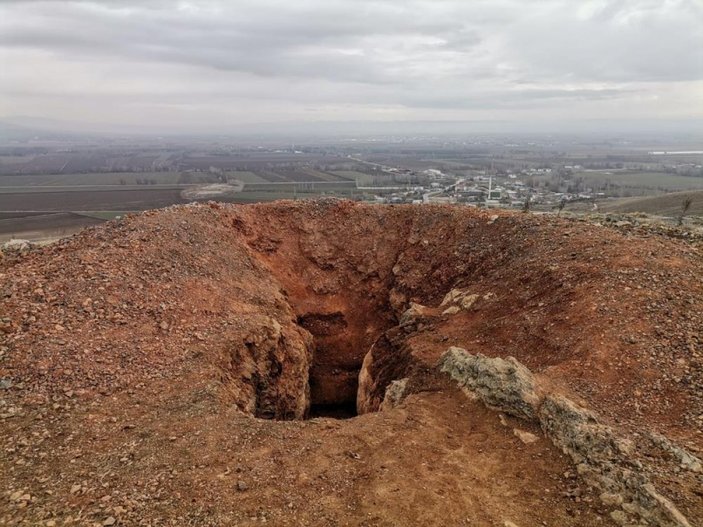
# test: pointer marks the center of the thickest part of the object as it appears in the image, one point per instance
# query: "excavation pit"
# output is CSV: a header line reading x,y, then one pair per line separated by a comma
x,y
341,283
340,343
158,337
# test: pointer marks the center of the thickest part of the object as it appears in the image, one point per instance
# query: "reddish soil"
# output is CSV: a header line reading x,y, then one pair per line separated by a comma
x,y
139,358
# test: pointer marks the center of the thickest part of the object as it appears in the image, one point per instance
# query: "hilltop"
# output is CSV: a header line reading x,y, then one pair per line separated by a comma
x,y
190,366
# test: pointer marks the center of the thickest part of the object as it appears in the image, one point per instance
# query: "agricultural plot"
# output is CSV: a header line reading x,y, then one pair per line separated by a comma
x,y
82,161
245,176
307,187
43,226
88,188
254,192
252,161
324,175
272,195
664,205
91,200
619,183
646,180
103,178
103,214
361,178
273,177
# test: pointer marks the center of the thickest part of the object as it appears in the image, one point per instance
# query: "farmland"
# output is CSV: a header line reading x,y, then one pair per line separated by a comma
x,y
664,205
624,183
79,200
54,184
43,226
58,186
52,190
103,178
87,158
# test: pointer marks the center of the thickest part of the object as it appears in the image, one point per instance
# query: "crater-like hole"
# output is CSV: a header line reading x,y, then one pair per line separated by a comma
x,y
334,373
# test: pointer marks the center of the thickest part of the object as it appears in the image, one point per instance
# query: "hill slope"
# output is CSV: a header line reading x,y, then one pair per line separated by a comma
x,y
664,205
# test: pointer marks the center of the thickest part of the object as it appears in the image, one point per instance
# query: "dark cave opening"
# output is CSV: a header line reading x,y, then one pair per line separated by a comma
x,y
334,372
345,410
333,390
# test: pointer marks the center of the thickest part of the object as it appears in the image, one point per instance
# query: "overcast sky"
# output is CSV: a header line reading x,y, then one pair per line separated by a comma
x,y
194,65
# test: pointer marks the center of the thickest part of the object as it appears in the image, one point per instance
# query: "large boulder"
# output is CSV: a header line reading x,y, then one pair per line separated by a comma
x,y
606,459
502,384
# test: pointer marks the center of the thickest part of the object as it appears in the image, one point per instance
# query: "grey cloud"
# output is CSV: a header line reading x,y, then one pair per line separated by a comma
x,y
321,42
362,54
618,41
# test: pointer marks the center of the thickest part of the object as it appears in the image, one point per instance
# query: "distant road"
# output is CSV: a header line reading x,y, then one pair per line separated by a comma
x,y
383,167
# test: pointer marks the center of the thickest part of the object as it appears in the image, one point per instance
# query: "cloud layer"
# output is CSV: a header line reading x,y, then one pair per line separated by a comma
x,y
246,61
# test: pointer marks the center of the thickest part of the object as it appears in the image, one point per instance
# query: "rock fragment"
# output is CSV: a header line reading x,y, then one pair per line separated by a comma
x,y
502,384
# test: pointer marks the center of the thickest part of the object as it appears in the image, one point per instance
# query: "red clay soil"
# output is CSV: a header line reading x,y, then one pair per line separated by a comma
x,y
157,370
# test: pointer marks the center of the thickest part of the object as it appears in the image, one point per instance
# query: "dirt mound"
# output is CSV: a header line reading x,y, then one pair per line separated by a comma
x,y
148,343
